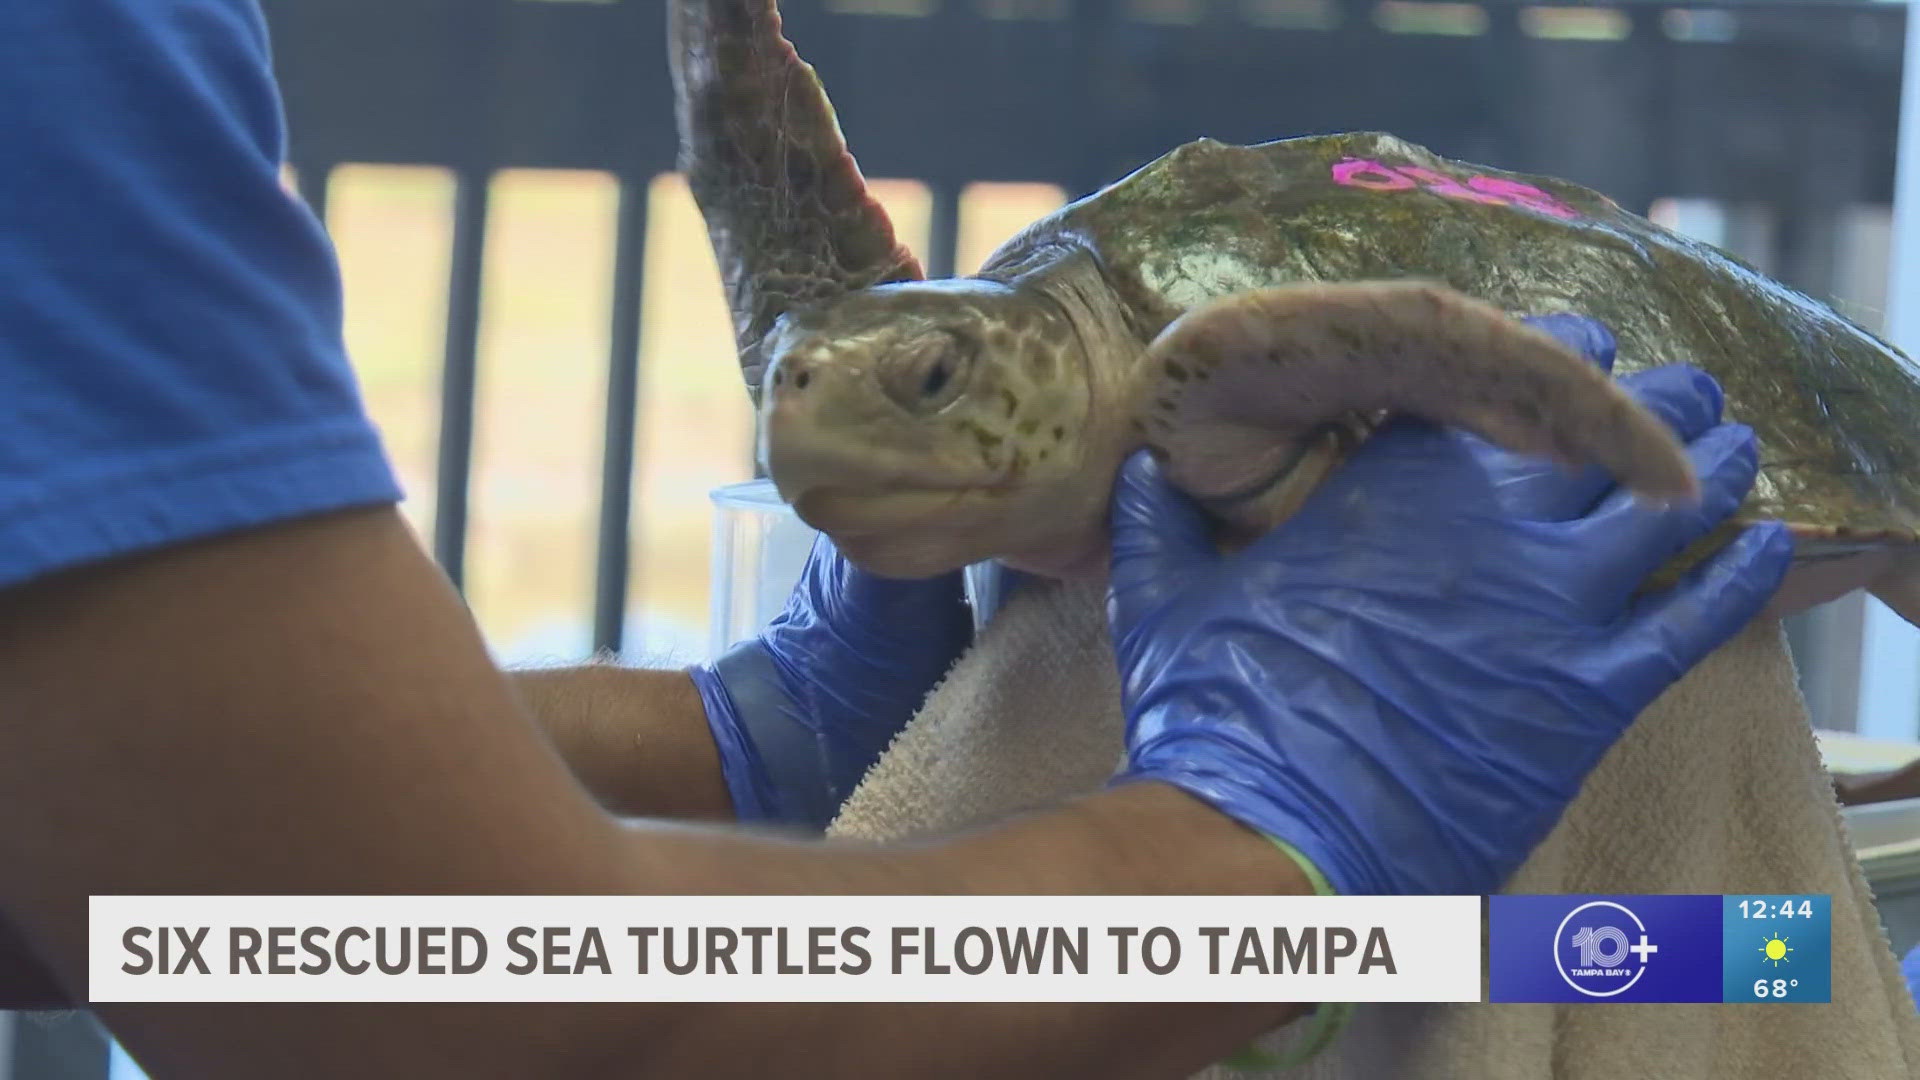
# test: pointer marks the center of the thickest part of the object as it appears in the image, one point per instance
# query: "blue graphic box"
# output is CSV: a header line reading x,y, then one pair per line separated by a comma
x,y
1777,948
1700,949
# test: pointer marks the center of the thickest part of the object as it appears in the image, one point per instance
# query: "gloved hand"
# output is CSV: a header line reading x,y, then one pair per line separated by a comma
x,y
1409,680
801,712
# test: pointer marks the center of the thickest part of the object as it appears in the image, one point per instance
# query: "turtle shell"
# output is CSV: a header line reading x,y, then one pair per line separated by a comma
x,y
1837,410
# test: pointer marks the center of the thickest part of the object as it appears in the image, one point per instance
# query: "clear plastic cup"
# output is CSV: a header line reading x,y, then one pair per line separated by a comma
x,y
759,548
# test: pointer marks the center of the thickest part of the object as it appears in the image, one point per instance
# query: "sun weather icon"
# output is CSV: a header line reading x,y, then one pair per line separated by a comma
x,y
1776,949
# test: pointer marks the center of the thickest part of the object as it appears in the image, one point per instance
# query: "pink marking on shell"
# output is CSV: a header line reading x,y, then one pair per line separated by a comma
x,y
1523,194
1370,175
1447,186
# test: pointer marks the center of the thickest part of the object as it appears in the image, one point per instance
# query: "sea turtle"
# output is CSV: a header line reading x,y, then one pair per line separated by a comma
x,y
1251,312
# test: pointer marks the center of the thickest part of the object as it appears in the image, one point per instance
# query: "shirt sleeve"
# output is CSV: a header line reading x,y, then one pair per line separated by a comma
x,y
171,359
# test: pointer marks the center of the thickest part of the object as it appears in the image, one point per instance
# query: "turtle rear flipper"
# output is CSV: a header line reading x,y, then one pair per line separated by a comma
x,y
790,218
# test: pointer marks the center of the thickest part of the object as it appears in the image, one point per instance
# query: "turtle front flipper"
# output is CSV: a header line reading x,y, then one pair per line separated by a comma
x,y
790,218
1255,397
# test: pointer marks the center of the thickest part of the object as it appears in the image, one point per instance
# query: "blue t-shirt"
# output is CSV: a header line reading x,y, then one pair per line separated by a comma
x,y
171,362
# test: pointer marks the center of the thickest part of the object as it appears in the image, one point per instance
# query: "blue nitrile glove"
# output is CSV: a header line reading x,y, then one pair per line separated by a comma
x,y
1410,679
1910,971
801,712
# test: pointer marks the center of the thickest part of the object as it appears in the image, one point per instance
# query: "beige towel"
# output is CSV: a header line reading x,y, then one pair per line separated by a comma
x,y
1718,788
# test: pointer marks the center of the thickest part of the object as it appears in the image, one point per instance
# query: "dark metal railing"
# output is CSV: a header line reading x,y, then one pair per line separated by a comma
x,y
623,376
457,376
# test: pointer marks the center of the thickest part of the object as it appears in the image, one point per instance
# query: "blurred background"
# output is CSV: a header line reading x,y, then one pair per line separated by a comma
x,y
538,324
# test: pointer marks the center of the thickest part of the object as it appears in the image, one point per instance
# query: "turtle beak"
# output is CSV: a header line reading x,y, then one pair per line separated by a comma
x,y
815,430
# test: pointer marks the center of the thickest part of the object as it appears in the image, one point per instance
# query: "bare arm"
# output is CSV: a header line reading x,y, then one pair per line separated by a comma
x,y
1860,789
636,739
308,709
25,982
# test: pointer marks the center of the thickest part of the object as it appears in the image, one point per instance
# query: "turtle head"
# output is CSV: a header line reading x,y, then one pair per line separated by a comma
x,y
927,425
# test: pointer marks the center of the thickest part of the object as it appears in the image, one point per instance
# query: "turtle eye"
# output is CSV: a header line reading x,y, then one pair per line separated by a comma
x,y
936,379
929,375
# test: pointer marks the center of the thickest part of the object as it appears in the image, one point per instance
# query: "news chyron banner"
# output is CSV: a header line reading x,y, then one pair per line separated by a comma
x,y
784,949
370,949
